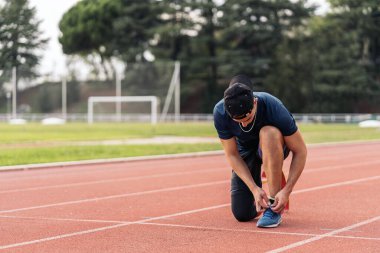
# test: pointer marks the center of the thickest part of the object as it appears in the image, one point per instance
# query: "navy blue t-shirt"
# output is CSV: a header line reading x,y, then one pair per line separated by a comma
x,y
270,111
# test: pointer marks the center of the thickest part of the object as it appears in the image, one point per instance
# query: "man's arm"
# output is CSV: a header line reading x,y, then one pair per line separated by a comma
x,y
297,145
239,166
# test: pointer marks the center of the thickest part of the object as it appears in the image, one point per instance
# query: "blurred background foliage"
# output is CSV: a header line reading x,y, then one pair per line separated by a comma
x,y
313,63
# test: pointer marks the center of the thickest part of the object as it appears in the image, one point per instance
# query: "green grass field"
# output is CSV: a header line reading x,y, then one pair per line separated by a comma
x,y
30,133
35,143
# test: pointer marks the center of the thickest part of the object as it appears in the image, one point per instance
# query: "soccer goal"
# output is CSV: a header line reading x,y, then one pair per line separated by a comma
x,y
153,100
158,78
136,86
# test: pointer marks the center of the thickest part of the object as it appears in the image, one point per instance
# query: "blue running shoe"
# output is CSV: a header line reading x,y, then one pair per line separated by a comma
x,y
269,219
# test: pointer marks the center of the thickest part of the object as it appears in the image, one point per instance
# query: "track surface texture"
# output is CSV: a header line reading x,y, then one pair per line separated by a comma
x,y
183,205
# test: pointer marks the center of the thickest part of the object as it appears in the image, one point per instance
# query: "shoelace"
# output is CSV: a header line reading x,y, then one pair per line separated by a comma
x,y
269,213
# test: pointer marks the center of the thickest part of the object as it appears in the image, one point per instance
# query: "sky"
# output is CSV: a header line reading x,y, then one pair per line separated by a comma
x,y
50,13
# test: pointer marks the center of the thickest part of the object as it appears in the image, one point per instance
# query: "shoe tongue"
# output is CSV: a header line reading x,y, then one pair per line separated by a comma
x,y
269,212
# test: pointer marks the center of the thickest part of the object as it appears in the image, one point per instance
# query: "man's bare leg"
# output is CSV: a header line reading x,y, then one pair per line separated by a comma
x,y
272,147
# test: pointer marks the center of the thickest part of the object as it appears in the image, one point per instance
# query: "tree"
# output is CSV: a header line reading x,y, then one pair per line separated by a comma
x,y
87,28
253,29
329,66
107,28
134,28
292,72
206,45
325,75
20,37
363,17
216,39
188,33
171,37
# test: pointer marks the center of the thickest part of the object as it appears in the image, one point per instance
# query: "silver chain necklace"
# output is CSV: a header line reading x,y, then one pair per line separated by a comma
x,y
247,131
253,123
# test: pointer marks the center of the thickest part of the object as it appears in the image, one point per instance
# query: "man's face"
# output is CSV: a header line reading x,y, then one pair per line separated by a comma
x,y
245,121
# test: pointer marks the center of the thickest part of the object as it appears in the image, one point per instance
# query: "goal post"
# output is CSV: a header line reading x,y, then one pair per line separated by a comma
x,y
116,99
157,78
174,90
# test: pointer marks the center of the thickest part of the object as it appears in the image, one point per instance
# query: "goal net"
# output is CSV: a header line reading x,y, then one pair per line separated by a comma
x,y
136,88
152,100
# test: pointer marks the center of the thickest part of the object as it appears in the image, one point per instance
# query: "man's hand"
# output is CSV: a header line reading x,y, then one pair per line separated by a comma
x,y
261,199
280,201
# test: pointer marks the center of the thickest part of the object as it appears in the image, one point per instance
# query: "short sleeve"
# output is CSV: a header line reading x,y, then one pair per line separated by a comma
x,y
220,121
280,117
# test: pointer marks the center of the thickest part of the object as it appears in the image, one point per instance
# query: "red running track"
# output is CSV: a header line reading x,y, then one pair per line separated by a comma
x,y
182,205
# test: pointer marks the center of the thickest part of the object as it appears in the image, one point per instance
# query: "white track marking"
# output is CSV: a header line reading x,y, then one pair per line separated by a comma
x,y
221,169
54,172
178,188
341,166
112,180
337,184
177,214
338,155
153,158
117,196
63,219
108,227
319,237
186,226
190,226
261,231
61,236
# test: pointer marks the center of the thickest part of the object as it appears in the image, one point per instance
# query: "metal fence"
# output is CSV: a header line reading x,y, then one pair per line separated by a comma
x,y
335,118
303,118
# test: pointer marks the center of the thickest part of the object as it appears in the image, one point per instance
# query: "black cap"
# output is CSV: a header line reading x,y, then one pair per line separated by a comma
x,y
238,99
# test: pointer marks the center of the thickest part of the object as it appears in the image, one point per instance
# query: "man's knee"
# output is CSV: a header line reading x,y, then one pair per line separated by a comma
x,y
244,215
270,132
242,206
271,135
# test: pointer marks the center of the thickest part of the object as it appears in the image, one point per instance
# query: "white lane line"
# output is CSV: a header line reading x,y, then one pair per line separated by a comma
x,y
108,227
152,158
319,237
150,219
55,172
117,196
221,169
327,168
189,226
60,236
337,184
339,155
265,231
177,188
63,219
112,180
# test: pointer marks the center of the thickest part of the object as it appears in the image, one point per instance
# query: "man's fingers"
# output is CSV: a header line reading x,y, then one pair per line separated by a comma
x,y
265,197
260,204
275,203
264,200
258,207
264,203
278,207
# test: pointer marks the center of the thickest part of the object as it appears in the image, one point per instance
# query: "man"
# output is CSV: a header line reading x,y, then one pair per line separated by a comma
x,y
256,129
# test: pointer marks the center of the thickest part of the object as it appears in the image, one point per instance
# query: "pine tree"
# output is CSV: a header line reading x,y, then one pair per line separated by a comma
x,y
252,30
87,29
20,37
